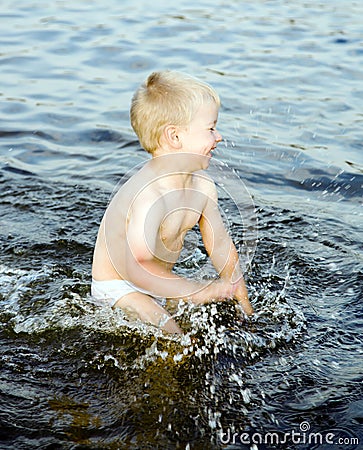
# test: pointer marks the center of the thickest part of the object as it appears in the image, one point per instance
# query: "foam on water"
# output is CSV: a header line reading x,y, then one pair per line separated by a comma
x,y
215,333
223,326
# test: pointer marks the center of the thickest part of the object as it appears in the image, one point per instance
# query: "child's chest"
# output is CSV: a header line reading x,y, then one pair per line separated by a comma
x,y
177,223
178,219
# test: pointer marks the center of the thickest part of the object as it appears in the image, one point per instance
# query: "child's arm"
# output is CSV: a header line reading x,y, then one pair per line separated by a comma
x,y
143,268
221,249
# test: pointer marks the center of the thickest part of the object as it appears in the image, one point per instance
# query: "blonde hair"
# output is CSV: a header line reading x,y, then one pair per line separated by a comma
x,y
167,98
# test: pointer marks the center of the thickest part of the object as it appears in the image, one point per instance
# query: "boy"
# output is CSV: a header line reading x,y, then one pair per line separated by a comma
x,y
142,232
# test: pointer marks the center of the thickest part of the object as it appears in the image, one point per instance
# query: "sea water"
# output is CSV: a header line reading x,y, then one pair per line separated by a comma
x,y
77,375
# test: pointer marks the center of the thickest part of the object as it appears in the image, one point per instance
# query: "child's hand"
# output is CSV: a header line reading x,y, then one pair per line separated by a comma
x,y
215,291
241,295
222,289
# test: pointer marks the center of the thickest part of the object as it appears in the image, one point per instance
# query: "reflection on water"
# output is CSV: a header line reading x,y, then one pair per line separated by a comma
x,y
75,374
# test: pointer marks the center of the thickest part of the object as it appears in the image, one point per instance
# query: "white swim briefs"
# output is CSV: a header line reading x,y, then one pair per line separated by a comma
x,y
111,290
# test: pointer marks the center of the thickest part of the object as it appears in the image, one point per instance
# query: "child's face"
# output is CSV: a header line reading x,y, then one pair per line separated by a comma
x,y
201,136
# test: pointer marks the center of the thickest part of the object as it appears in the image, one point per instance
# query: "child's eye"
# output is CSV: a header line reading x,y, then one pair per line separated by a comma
x,y
212,129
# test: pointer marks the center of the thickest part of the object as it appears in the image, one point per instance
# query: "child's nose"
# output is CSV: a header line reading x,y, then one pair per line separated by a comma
x,y
218,136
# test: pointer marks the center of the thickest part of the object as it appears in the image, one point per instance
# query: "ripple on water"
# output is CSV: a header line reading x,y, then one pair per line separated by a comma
x,y
291,116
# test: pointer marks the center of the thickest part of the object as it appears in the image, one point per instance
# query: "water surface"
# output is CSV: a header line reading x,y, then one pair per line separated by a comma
x,y
78,376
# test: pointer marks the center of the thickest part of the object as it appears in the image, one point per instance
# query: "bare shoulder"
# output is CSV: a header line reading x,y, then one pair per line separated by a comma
x,y
134,189
205,184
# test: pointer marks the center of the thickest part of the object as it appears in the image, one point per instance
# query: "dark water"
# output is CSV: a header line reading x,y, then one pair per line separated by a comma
x,y
78,376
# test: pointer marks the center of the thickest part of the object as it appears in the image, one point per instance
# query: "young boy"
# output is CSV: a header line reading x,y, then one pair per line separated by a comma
x,y
142,232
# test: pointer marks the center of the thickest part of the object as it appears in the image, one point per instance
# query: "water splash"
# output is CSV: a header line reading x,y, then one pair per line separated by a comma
x,y
214,356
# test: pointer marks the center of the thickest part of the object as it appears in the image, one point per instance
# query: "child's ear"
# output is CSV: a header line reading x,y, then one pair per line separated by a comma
x,y
171,136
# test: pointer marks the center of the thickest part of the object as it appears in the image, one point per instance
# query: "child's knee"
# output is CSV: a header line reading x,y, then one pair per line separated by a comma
x,y
140,306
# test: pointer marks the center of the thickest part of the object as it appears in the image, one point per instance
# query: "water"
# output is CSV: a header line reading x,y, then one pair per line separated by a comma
x,y
75,375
